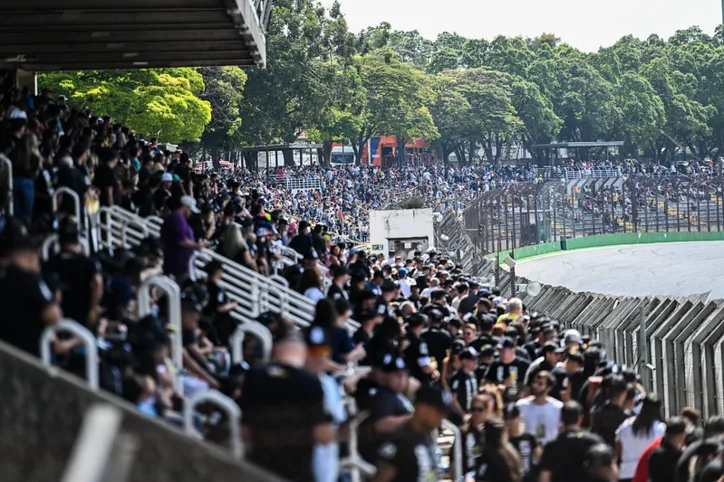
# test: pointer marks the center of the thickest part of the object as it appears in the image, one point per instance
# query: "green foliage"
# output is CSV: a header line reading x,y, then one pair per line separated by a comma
x,y
161,103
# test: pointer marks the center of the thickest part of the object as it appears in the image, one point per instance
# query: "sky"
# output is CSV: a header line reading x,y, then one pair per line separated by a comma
x,y
586,25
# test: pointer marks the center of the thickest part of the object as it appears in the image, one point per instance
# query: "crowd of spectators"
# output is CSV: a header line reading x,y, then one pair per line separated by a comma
x,y
533,401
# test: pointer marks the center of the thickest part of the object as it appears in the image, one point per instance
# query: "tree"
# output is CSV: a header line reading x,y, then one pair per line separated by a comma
x,y
540,122
160,103
397,96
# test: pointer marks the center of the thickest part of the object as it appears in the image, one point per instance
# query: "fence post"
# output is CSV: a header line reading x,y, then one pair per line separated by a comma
x,y
222,401
9,166
89,342
457,445
71,193
173,294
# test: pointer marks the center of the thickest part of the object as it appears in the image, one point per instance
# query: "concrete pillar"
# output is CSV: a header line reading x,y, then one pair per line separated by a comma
x,y
26,78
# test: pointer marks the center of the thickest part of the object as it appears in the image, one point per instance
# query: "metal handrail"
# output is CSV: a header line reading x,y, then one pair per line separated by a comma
x,y
89,341
457,447
257,329
71,193
222,401
9,165
354,461
124,231
173,293
52,240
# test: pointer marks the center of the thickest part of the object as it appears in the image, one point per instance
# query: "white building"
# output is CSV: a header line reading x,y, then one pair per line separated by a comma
x,y
401,230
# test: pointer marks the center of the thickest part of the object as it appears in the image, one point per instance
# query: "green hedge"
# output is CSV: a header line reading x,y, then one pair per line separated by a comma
x,y
609,240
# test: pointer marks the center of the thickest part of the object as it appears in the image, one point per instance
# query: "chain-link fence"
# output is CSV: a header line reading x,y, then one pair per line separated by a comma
x,y
529,214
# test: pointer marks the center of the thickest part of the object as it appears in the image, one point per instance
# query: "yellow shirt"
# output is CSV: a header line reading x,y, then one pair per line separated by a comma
x,y
504,316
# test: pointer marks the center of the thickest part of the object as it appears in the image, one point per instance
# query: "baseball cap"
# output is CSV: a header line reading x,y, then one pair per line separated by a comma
x,y
416,319
469,353
391,363
507,343
572,336
190,202
317,341
487,350
549,347
434,397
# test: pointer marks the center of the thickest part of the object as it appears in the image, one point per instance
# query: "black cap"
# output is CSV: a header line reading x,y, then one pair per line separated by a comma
x,y
487,350
434,397
340,271
389,286
598,456
511,411
550,347
213,266
392,363
507,343
469,353
416,319
317,340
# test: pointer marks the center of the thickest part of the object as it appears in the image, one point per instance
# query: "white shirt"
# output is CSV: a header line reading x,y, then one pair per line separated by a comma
x,y
632,446
314,294
326,456
541,421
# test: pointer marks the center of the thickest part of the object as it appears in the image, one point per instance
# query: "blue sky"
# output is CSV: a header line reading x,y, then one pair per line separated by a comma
x,y
586,25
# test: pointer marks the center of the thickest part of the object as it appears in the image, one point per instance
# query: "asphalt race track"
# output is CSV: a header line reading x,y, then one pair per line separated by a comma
x,y
672,269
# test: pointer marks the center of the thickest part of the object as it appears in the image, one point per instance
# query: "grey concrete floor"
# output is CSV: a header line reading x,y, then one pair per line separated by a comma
x,y
670,269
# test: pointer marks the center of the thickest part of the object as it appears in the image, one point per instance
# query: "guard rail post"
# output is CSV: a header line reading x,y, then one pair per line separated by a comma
x,y
173,293
52,240
72,194
458,449
257,329
9,165
89,342
222,401
354,461
124,231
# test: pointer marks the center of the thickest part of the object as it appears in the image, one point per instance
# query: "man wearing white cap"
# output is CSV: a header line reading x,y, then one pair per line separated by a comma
x,y
178,238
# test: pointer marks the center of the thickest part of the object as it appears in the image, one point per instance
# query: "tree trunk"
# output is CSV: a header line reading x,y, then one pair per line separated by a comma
x,y
288,157
320,158
326,151
471,151
251,161
216,157
401,152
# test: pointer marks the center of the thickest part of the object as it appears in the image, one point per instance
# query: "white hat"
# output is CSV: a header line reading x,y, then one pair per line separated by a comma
x,y
167,177
190,203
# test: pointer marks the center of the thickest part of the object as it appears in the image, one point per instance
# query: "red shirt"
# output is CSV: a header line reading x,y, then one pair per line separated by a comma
x,y
642,469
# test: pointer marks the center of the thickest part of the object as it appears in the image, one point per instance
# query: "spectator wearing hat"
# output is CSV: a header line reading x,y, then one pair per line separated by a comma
x,y
551,354
508,371
389,290
486,357
340,277
302,242
464,385
402,282
368,320
326,455
29,305
416,351
389,410
198,378
104,178
411,451
219,307
438,340
284,412
178,239
375,284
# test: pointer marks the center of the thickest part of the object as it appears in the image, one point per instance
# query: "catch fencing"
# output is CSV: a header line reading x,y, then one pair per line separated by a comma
x,y
521,215
676,344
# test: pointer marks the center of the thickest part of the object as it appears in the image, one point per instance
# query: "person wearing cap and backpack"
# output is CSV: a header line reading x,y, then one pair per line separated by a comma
x,y
464,385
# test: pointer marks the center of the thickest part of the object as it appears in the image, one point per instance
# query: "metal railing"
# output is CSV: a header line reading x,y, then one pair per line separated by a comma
x,y
255,328
67,191
9,166
254,293
173,300
228,405
89,342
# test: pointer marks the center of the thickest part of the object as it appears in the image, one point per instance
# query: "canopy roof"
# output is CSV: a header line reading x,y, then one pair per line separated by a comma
x,y
574,145
90,34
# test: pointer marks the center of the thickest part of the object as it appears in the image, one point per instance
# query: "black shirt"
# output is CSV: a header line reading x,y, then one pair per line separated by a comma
x,y
223,323
365,393
474,442
104,178
607,420
525,444
75,179
662,463
468,303
337,292
438,342
711,473
76,271
412,454
499,371
492,467
417,355
302,244
23,297
464,386
481,341
564,456
281,407
385,403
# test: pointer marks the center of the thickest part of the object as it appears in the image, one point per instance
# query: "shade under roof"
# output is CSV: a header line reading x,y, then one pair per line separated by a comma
x,y
88,34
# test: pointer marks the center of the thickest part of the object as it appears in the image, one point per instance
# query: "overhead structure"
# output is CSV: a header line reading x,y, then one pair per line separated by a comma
x,y
48,35
557,147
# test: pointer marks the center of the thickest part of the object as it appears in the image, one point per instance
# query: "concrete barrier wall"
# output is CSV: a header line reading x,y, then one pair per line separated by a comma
x,y
603,240
42,411
675,343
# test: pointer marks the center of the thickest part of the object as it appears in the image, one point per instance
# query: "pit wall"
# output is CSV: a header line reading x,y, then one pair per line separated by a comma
x,y
608,240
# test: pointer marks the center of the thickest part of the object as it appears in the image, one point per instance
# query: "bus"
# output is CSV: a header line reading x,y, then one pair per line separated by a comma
x,y
342,156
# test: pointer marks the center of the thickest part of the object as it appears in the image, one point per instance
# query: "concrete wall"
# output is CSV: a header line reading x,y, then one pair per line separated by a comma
x,y
42,410
400,224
